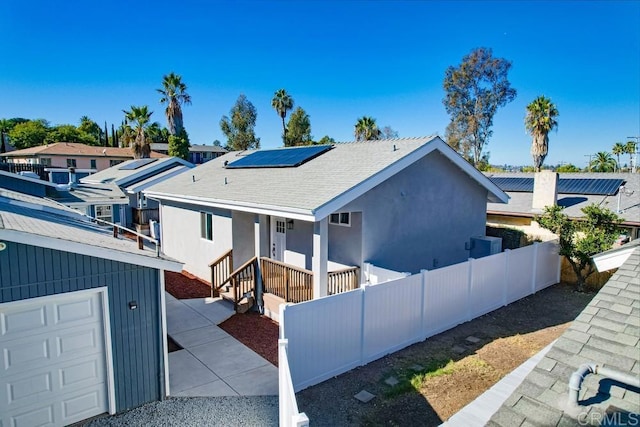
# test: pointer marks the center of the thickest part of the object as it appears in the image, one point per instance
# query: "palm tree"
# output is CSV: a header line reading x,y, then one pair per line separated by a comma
x,y
603,162
282,102
618,148
137,119
366,129
174,94
539,121
630,149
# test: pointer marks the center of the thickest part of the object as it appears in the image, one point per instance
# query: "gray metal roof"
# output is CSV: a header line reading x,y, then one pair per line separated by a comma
x,y
118,176
310,186
520,202
41,222
607,333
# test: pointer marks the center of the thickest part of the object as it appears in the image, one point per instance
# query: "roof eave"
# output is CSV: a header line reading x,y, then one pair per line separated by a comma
x,y
90,250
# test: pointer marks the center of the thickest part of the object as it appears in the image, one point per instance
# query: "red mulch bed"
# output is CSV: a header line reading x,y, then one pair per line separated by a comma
x,y
185,285
257,332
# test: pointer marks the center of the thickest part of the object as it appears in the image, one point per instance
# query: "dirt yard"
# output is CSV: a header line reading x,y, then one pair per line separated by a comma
x,y
435,378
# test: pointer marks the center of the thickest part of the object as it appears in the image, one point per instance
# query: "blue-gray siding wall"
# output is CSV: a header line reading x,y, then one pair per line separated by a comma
x,y
421,217
136,335
300,240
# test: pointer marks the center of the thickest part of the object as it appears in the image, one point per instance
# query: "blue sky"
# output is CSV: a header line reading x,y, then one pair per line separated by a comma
x,y
339,60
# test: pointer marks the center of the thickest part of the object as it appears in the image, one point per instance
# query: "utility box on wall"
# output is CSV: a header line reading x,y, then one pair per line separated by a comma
x,y
484,246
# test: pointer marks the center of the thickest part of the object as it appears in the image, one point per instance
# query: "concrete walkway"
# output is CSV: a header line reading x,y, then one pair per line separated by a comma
x,y
212,362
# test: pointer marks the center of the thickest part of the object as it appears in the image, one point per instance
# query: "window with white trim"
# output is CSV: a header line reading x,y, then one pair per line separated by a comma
x,y
104,213
206,226
340,218
45,161
71,163
93,163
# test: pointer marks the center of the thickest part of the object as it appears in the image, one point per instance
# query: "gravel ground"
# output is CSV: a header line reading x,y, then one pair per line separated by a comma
x,y
199,411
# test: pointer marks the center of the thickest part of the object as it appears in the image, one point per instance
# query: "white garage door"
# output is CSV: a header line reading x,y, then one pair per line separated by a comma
x,y
53,368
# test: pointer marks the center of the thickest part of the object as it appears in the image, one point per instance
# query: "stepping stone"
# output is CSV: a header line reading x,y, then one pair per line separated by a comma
x,y
364,396
391,381
417,368
473,340
458,349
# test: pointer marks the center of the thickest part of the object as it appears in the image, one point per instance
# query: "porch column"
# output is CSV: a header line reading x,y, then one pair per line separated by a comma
x,y
261,248
320,257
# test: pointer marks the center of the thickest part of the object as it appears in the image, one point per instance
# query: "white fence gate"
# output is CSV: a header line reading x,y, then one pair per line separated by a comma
x,y
332,335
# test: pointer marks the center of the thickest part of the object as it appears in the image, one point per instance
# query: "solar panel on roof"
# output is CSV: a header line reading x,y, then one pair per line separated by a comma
x,y
589,186
514,184
594,186
279,158
135,164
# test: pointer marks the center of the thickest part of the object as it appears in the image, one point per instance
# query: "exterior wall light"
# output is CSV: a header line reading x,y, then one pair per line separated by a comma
x,y
289,224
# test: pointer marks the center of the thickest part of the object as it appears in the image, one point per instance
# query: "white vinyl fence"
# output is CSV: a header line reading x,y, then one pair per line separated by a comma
x,y
287,404
332,335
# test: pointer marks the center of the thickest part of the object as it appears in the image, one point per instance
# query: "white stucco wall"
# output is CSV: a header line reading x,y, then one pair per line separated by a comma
x,y
181,237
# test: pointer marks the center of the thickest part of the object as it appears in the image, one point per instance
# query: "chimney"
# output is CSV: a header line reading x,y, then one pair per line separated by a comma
x,y
545,190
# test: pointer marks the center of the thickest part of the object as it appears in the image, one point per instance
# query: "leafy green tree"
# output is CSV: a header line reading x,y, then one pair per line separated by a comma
x,y
630,149
567,168
282,102
618,148
581,239
179,145
240,127
539,121
139,117
326,140
29,134
366,129
473,92
157,133
90,128
174,95
298,129
388,133
603,162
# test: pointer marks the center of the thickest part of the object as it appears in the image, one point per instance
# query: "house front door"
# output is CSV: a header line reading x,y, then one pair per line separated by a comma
x,y
278,238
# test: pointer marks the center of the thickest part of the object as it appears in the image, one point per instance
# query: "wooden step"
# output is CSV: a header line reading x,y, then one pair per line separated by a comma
x,y
245,303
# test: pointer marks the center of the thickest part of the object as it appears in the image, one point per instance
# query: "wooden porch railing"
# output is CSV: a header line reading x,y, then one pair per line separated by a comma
x,y
291,283
144,215
343,280
221,270
243,281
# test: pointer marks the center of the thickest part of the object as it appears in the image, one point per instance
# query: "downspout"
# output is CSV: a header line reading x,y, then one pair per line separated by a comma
x,y
575,382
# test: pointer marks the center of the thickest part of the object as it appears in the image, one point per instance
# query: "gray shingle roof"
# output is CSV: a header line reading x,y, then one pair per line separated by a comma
x,y
307,187
520,203
28,219
606,332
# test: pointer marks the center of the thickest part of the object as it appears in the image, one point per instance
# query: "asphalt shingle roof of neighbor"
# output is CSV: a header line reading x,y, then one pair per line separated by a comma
x,y
75,149
306,187
607,332
520,202
46,220
119,176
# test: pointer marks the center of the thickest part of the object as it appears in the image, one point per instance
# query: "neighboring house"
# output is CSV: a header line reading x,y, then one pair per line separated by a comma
x,y
618,192
604,334
82,329
60,156
198,154
132,177
404,204
102,201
